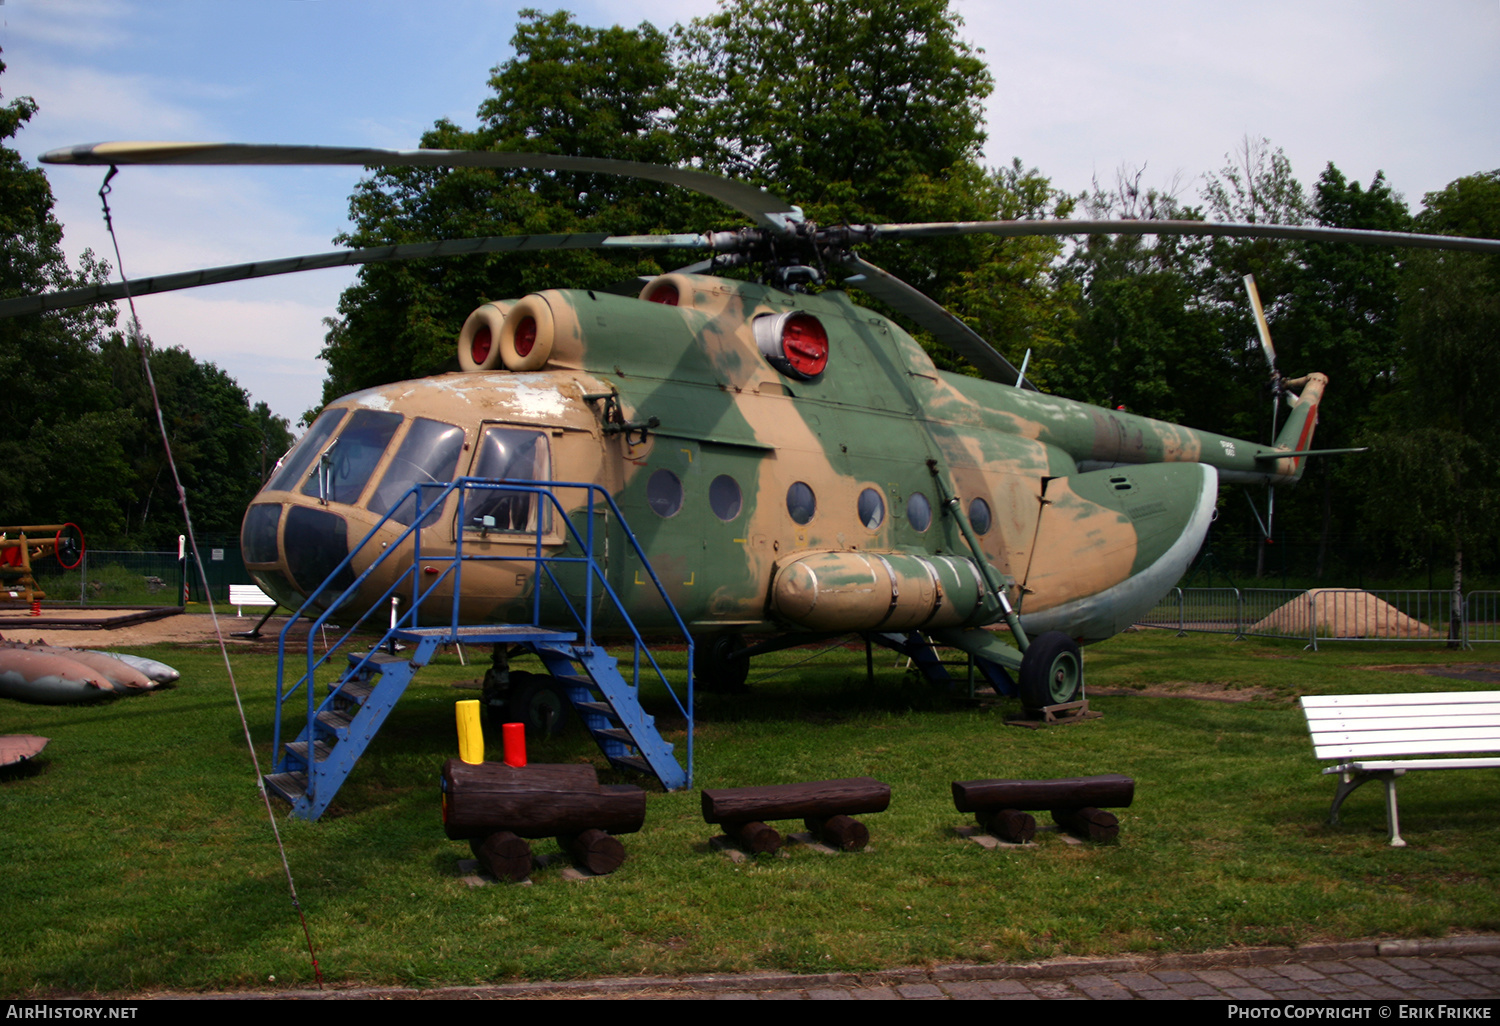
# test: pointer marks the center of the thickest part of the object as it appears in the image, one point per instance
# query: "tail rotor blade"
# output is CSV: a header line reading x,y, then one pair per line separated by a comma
x,y
1260,321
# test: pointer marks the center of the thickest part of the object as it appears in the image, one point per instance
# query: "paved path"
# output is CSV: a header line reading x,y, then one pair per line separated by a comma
x,y
1454,969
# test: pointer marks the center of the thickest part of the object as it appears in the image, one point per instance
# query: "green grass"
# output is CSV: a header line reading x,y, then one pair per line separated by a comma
x,y
138,854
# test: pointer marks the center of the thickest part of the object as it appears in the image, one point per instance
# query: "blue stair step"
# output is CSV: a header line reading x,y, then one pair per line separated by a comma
x,y
485,634
321,749
354,691
376,659
335,720
289,787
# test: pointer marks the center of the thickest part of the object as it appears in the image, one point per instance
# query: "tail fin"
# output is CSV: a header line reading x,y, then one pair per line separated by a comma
x,y
1297,433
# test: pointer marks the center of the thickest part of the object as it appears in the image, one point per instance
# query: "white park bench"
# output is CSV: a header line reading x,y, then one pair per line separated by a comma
x,y
242,595
1377,736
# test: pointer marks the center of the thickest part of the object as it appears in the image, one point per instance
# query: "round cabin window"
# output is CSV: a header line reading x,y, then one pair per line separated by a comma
x,y
801,503
664,493
979,516
724,497
871,508
919,511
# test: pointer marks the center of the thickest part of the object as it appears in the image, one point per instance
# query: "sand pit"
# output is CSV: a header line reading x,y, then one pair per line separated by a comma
x,y
1341,613
182,628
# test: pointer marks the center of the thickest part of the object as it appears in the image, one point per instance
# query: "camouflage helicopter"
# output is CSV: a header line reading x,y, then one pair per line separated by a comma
x,y
793,464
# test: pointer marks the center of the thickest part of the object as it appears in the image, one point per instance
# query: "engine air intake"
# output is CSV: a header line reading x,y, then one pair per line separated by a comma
x,y
477,348
527,335
795,343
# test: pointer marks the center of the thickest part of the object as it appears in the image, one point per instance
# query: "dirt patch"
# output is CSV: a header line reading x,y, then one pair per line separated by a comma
x,y
1479,673
1193,689
184,629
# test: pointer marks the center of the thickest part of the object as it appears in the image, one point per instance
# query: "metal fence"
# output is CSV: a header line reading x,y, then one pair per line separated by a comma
x,y
111,577
1482,616
1329,614
120,578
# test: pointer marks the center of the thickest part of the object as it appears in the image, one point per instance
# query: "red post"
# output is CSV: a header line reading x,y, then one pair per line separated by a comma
x,y
514,735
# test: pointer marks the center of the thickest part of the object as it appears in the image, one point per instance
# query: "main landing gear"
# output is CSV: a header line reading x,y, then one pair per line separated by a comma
x,y
1051,671
516,696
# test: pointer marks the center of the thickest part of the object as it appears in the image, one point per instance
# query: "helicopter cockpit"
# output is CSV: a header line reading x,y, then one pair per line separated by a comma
x,y
360,464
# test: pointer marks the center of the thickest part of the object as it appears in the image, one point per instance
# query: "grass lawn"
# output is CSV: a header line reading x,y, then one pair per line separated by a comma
x,y
138,855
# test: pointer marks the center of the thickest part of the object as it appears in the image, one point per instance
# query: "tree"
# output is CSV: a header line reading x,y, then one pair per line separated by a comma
x,y
1009,290
869,111
569,89
275,437
55,409
1144,339
1165,327
860,112
78,434
218,442
1340,318
840,104
1439,475
1255,186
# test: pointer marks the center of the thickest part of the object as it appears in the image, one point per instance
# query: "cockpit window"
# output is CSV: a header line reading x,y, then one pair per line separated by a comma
x,y
344,466
294,465
427,455
508,454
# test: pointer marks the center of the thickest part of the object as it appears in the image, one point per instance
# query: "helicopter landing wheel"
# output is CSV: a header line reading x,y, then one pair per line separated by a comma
x,y
713,667
538,703
1051,671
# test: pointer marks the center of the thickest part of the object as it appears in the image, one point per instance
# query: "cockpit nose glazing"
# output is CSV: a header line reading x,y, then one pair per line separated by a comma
x,y
333,465
344,467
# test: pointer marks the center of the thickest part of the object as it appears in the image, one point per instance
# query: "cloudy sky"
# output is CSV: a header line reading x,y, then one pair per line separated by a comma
x,y
1082,88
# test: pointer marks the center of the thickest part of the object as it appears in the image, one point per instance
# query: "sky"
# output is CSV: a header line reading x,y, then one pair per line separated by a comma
x,y
1082,89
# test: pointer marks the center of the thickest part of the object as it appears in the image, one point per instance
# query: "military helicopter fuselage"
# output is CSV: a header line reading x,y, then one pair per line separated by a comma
x,y
789,464
787,461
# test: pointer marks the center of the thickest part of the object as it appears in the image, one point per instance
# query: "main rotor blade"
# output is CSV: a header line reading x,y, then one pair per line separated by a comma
x,y
769,210
927,312
291,265
1016,229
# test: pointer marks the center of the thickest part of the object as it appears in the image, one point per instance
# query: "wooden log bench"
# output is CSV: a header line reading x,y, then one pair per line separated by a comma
x,y
1077,804
499,808
1382,737
826,807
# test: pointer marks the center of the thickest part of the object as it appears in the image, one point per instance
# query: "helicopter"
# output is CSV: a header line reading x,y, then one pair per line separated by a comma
x,y
794,465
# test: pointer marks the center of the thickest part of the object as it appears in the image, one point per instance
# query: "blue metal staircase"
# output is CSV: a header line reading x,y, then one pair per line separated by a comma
x,y
336,730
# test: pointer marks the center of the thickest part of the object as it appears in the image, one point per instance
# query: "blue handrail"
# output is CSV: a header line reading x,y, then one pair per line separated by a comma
x,y
425,515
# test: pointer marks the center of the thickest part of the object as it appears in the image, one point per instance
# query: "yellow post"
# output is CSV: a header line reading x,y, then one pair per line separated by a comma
x,y
470,732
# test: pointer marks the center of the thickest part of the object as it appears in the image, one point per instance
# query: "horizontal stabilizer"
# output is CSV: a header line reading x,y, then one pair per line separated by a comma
x,y
1266,455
